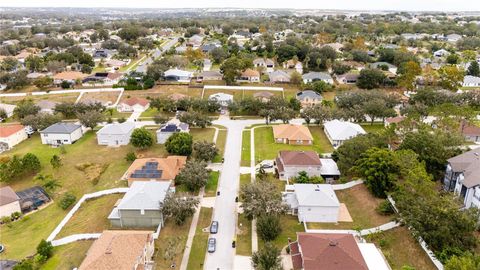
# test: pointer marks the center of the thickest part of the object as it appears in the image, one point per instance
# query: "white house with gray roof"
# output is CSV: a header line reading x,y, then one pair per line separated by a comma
x,y
309,98
115,134
471,81
141,205
317,76
61,133
338,131
312,202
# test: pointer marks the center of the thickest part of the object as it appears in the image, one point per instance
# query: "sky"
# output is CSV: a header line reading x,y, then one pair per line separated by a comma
x,y
406,5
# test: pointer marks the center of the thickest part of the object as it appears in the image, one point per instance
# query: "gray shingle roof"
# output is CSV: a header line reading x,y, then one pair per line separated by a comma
x,y
117,129
317,76
61,128
316,195
145,195
308,93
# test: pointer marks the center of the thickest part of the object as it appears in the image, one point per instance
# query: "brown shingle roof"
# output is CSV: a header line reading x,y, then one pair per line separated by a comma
x,y
469,129
337,251
302,158
69,75
119,250
250,73
135,100
292,132
7,130
7,195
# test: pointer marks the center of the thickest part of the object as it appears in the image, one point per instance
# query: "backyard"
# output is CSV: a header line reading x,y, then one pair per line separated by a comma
x,y
68,256
199,244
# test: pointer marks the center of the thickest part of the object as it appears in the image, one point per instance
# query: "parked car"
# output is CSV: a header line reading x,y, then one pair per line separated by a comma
x,y
214,227
266,164
212,244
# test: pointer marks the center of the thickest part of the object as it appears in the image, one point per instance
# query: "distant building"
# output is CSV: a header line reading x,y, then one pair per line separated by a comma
x,y
267,64
292,134
8,108
11,135
291,163
317,76
250,75
471,81
133,104
222,98
178,75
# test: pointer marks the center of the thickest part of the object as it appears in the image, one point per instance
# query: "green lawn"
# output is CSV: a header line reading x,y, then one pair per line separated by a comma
x,y
375,128
245,179
290,227
199,244
400,249
266,148
202,134
116,114
211,187
220,143
91,217
172,238
68,256
246,151
244,236
150,112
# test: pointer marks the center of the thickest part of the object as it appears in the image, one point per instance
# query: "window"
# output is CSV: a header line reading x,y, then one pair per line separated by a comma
x,y
142,212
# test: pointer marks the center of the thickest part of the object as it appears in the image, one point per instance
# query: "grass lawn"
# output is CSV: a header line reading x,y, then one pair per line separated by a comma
x,y
400,249
150,112
266,148
68,256
246,153
245,179
116,114
173,238
220,143
91,217
290,227
244,236
361,205
375,128
211,187
199,244
202,134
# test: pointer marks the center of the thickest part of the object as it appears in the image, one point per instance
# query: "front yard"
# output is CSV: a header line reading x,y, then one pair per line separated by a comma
x,y
244,236
246,148
68,256
266,148
199,244
212,183
170,245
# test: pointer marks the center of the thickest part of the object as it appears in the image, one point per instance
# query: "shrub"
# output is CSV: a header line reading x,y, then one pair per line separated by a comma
x,y
5,220
45,249
121,120
15,215
385,208
130,157
141,138
268,227
179,144
67,200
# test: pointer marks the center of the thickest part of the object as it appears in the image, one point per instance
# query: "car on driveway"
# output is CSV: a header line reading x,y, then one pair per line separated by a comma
x,y
212,244
267,164
214,227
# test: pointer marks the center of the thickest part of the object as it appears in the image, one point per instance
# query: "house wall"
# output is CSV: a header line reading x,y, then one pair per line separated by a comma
x,y
52,138
163,136
114,139
7,209
335,143
15,138
135,218
292,171
472,138
318,214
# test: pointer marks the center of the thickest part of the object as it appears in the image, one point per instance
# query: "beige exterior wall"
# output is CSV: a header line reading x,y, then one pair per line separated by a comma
x,y
15,138
8,209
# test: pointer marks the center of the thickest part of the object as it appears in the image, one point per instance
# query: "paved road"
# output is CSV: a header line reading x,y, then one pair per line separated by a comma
x,y
225,210
142,67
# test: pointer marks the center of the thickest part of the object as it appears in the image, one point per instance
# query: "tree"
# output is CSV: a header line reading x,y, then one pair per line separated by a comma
x,y
204,150
408,74
26,107
473,69
43,82
451,77
178,208
56,161
34,63
90,118
67,200
267,258
370,78
40,121
141,138
9,64
321,86
260,198
194,175
453,59
218,55
268,227
231,68
318,113
30,163
465,262
3,114
179,143
160,119
303,178
296,78
45,248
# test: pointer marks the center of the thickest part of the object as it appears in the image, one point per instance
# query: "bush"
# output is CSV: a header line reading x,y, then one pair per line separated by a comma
x,y
5,220
179,144
141,138
130,157
67,200
121,119
385,208
268,227
45,249
16,215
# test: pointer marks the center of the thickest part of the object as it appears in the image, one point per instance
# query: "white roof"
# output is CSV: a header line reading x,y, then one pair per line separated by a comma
x,y
471,79
373,257
7,107
178,72
341,130
145,195
316,195
221,97
329,167
117,128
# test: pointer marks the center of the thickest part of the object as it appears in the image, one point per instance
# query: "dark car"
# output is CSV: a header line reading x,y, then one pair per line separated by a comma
x,y
212,244
214,227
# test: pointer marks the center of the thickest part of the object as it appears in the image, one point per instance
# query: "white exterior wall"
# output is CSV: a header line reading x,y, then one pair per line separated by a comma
x,y
335,143
15,138
292,171
7,209
52,138
318,214
122,107
114,139
163,136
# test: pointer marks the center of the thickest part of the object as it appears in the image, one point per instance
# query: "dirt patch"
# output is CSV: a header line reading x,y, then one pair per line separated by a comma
x,y
92,171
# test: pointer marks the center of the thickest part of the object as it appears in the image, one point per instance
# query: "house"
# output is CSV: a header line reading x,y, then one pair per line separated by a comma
x,y
47,106
348,78
338,131
293,64
334,251
462,176
105,78
9,202
309,98
168,129
441,53
207,64
121,250
291,163
471,81
61,133
292,134
453,38
115,134
101,54
317,76
140,207
212,75
115,63
279,76
221,98
470,132
393,120
384,66
11,135
263,96
195,41
250,75
178,75
267,64
312,202
8,108
158,169
69,76
133,104
208,47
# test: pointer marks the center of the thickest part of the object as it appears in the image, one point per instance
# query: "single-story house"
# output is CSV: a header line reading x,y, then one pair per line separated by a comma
x,y
115,134
133,104
312,202
381,65
292,64
348,78
470,132
68,76
140,207
334,251
453,38
393,120
47,106
178,75
309,98
167,130
221,98
61,133
290,163
9,202
338,131
158,169
115,63
11,135
471,81
105,78
8,108
279,76
121,250
263,96
441,53
292,134
268,64
212,75
250,75
207,64
317,76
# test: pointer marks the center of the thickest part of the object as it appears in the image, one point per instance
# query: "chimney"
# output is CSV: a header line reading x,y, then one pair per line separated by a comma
x,y
333,243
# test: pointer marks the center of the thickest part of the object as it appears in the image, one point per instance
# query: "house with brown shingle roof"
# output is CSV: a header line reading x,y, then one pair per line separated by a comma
x,y
120,250
157,169
292,134
11,135
334,251
134,104
291,163
69,76
470,132
249,75
9,202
